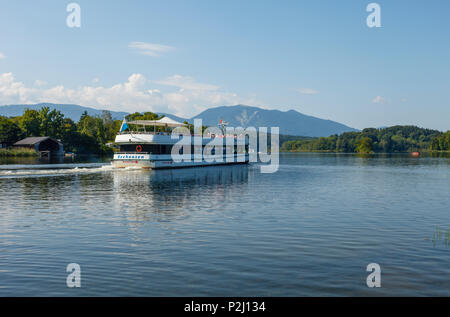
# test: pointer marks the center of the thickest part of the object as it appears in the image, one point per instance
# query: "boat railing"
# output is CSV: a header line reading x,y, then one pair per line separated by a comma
x,y
153,133
212,135
144,132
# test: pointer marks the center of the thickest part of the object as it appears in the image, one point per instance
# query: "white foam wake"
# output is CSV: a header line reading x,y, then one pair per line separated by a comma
x,y
51,170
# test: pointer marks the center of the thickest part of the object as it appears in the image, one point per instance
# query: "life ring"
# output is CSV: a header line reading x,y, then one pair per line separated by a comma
x,y
139,148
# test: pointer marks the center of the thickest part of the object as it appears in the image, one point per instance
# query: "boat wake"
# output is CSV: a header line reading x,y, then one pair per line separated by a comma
x,y
14,171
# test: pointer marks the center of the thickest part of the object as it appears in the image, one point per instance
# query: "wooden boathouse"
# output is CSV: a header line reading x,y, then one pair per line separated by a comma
x,y
46,146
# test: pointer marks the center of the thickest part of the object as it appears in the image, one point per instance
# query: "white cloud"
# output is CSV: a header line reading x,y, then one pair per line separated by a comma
x,y
185,82
135,94
12,91
150,49
199,96
2,56
40,83
308,91
379,99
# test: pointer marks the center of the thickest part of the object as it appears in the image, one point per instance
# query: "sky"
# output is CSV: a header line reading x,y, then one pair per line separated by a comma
x,y
182,57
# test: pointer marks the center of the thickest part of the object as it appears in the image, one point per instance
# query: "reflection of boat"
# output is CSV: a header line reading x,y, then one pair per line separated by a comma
x,y
163,195
158,150
219,175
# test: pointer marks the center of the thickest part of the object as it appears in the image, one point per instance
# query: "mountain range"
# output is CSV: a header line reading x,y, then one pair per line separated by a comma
x,y
290,122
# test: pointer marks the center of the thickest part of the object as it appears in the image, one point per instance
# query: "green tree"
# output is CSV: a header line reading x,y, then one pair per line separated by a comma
x,y
30,123
364,146
88,136
9,131
88,125
69,135
51,122
392,139
441,142
143,116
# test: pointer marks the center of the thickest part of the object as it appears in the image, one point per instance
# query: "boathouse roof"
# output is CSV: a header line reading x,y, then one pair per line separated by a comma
x,y
34,140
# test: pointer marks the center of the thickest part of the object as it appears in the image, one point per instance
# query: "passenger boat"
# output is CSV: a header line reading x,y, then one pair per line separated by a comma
x,y
150,143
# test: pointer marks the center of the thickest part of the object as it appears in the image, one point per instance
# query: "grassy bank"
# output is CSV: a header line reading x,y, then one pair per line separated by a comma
x,y
18,153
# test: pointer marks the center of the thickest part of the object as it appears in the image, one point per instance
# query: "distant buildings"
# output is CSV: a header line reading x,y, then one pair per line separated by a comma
x,y
46,146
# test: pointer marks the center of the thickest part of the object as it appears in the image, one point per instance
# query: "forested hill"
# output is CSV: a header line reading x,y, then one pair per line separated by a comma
x,y
371,140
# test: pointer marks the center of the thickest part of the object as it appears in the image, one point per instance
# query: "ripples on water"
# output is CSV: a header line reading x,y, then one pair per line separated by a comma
x,y
309,229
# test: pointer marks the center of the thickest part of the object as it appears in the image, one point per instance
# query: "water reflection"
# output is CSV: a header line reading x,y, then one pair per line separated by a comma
x,y
165,195
440,154
441,236
41,189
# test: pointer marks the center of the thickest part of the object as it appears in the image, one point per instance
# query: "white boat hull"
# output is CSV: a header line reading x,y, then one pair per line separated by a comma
x,y
146,161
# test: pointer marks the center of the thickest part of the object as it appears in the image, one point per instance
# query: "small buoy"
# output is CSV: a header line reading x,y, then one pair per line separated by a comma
x,y
415,153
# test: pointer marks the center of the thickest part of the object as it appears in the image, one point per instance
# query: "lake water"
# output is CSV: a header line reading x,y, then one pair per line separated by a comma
x,y
308,230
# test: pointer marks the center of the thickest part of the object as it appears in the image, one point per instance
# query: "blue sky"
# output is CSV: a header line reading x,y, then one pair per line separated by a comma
x,y
317,57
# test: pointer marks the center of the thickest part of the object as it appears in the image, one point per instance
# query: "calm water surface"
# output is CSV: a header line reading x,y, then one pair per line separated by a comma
x,y
309,229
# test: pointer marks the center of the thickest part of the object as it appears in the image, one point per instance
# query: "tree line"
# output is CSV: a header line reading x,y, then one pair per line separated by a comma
x,y
441,143
371,140
87,136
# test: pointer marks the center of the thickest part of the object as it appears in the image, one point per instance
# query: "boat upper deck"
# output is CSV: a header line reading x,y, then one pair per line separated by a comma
x,y
166,138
